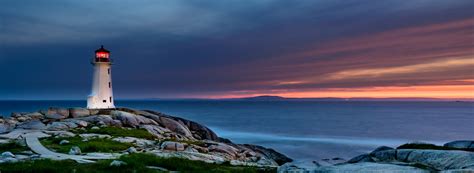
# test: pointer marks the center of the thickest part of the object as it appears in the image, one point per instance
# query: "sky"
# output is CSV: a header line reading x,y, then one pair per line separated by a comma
x,y
239,48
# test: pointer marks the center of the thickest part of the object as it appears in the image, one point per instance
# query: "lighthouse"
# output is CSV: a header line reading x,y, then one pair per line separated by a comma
x,y
101,96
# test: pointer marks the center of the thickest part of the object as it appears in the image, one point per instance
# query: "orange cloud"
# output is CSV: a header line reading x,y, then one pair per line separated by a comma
x,y
423,61
434,91
439,65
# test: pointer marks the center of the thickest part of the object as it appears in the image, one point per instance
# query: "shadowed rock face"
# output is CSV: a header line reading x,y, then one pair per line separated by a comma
x,y
177,137
390,160
270,153
461,144
430,159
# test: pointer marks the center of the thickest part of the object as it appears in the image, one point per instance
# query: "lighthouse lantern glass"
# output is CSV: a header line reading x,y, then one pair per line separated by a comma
x,y
102,55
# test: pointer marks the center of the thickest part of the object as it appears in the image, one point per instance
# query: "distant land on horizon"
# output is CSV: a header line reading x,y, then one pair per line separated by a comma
x,y
279,98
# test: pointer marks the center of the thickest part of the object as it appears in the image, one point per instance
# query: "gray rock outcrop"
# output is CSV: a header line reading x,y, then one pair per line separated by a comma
x,y
182,138
79,112
75,150
33,125
6,127
461,144
172,146
55,113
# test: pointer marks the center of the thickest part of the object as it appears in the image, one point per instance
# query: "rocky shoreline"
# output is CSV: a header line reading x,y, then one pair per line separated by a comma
x,y
168,136
452,157
172,136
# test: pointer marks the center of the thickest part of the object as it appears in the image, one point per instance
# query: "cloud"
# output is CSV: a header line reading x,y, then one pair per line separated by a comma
x,y
184,48
406,56
430,67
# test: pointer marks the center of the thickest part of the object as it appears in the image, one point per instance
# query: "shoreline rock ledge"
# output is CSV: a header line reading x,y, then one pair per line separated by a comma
x,y
452,157
173,136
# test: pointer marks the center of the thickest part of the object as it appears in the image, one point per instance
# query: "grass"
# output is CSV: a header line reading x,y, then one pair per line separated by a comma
x,y
92,145
135,163
120,132
13,147
429,147
184,165
68,166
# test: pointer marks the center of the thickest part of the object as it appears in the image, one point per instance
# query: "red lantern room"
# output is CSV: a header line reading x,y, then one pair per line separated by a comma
x,y
102,55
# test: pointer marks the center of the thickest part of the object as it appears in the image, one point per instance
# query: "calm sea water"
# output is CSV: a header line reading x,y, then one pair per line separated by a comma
x,y
310,130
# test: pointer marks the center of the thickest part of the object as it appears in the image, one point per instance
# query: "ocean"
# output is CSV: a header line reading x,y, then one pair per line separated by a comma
x,y
310,130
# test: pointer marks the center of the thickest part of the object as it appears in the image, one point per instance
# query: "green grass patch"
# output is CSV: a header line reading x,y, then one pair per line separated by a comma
x,y
135,163
13,147
92,145
429,147
184,165
120,132
68,166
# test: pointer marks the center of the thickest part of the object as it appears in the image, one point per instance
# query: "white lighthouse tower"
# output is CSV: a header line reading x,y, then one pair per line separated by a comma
x,y
101,96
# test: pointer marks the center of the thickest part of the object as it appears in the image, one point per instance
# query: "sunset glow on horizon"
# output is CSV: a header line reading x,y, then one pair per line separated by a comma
x,y
430,92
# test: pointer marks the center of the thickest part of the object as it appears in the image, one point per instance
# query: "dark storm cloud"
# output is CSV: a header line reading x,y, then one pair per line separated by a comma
x,y
182,48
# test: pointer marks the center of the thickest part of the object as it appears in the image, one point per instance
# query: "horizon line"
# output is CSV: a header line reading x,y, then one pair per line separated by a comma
x,y
274,96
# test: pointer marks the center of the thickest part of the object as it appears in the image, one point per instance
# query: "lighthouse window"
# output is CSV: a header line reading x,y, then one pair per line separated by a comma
x,y
104,101
108,70
110,85
110,98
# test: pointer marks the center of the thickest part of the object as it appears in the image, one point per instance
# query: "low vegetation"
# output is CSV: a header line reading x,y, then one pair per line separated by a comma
x,y
13,147
119,132
92,145
429,147
68,166
135,163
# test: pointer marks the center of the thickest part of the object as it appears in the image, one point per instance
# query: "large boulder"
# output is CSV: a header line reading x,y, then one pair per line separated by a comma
x,y
269,153
56,113
94,135
78,122
6,127
175,126
361,158
224,148
145,120
7,154
34,115
61,126
33,125
98,119
126,118
461,144
438,159
385,155
142,143
366,167
298,167
199,131
75,150
155,130
117,163
79,112
172,146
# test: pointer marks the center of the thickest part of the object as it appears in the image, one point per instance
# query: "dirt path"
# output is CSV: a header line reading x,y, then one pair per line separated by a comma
x,y
32,141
